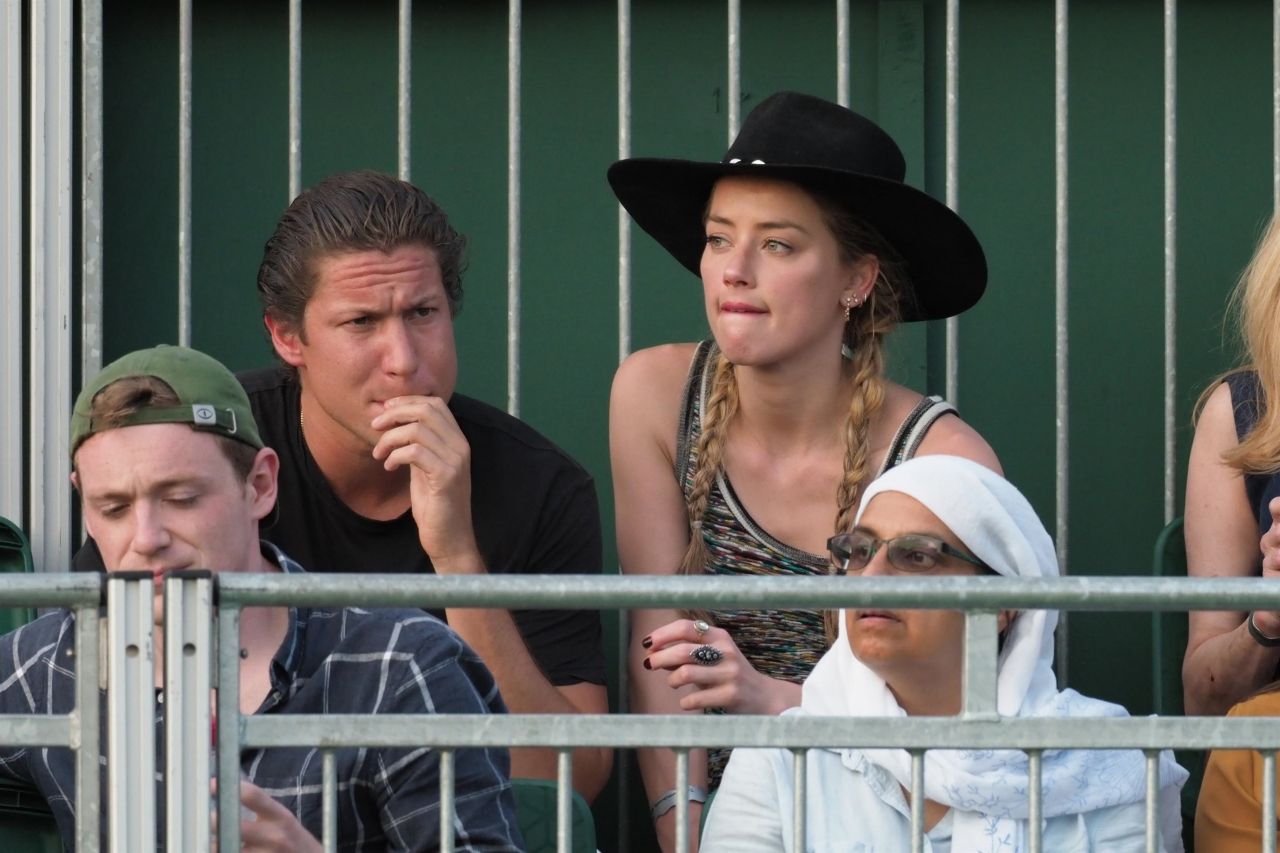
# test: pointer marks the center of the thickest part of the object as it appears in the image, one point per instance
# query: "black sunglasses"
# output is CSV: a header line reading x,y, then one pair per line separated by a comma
x,y
913,553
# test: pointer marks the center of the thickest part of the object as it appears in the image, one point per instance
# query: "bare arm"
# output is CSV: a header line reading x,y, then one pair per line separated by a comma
x,y
420,432
1223,663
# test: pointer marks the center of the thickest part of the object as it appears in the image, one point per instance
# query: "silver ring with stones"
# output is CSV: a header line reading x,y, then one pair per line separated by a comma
x,y
706,655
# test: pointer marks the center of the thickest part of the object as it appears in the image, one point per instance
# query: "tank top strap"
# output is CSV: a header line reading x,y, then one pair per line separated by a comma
x,y
695,394
912,430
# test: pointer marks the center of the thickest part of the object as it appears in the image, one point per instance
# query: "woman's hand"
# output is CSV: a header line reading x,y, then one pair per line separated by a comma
x,y
1268,621
730,684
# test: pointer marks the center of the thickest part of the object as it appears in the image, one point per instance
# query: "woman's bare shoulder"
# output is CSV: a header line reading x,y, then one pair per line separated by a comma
x,y
648,388
949,435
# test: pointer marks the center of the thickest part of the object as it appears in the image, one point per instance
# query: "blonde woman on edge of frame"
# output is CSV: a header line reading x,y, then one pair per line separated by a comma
x,y
743,454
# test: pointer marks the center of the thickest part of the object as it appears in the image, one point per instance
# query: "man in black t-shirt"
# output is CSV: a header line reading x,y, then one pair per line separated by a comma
x,y
383,468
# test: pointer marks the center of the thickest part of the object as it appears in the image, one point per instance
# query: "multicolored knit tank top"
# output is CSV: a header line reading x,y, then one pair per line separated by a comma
x,y
783,644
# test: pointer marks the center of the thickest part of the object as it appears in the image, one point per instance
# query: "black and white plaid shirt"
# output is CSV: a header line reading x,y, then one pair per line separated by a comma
x,y
347,661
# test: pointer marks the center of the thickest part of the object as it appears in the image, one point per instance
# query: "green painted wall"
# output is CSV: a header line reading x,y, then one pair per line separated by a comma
x,y
569,339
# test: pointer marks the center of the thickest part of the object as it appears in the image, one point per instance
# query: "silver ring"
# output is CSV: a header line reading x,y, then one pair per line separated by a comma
x,y
706,655
701,627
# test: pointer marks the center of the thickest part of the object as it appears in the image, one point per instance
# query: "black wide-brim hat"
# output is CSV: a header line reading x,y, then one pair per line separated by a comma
x,y
843,155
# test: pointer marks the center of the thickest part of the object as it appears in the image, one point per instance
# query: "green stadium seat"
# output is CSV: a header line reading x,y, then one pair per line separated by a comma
x,y
536,813
15,556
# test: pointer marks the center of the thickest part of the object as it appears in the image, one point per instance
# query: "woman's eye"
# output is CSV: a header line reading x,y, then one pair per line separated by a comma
x,y
775,246
716,241
919,558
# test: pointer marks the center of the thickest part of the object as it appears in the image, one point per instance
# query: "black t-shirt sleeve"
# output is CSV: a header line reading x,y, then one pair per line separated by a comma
x,y
568,645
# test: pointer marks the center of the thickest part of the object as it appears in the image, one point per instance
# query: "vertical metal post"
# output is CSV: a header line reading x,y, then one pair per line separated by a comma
x,y
1268,807
1035,806
446,800
188,648
1153,798
917,801
404,87
564,801
1061,492
800,803
88,731
624,151
131,712
90,187
952,180
682,801
735,66
842,53
50,286
11,253
978,691
1170,255
1275,104
513,207
295,98
228,687
184,172
329,801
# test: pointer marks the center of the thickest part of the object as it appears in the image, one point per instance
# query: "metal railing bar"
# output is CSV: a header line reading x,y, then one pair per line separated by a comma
x,y
184,172
800,802
329,801
682,801
624,151
404,85
131,711
978,690
1061,338
564,801
447,800
1035,805
681,732
41,729
1275,104
90,189
952,160
842,57
917,801
513,206
56,589
615,591
188,655
49,270
84,729
1267,811
734,99
11,253
1153,801
1170,256
229,733
295,98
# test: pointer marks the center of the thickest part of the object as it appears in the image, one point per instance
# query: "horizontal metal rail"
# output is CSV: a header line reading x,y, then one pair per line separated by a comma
x,y
461,731
50,590
771,593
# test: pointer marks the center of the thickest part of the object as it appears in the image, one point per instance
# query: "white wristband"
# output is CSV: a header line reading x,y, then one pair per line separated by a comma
x,y
667,801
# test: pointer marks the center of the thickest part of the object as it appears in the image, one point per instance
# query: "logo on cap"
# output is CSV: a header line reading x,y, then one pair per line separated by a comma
x,y
203,414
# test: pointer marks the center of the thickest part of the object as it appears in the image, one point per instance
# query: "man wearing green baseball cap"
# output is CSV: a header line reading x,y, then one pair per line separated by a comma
x,y
173,475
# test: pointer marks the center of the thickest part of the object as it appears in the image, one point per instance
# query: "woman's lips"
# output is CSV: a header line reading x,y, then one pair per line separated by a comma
x,y
876,614
739,308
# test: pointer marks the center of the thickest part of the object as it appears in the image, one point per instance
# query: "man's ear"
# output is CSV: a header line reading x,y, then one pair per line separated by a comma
x,y
85,517
286,339
263,483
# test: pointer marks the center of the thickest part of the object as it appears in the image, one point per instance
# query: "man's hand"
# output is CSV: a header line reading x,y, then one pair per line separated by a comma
x,y
420,432
273,828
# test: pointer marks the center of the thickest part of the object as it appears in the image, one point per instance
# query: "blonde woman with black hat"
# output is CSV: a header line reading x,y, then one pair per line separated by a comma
x,y
743,454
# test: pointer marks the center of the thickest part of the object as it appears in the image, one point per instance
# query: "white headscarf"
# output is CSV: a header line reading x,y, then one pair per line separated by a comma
x,y
988,788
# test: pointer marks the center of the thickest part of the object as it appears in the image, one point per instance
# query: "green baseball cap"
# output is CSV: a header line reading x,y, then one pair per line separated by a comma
x,y
212,399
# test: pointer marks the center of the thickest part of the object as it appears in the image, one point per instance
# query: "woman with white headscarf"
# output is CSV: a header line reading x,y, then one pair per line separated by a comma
x,y
942,515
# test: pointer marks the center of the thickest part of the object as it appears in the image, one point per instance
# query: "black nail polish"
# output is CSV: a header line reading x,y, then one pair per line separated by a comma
x,y
647,665
646,642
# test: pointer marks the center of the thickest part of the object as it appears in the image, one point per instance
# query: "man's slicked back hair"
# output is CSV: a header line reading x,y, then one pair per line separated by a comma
x,y
353,212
